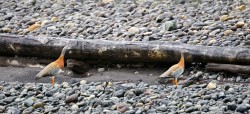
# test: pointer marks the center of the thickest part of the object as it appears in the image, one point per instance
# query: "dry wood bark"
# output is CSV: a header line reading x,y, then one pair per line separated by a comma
x,y
120,51
231,68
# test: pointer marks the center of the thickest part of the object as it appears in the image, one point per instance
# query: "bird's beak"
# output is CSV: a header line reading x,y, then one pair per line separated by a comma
x,y
67,47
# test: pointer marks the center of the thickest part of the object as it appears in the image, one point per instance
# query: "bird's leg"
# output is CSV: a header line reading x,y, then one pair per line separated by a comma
x,y
176,82
173,81
53,80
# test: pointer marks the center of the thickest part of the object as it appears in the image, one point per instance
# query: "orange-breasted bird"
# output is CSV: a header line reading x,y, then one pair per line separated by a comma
x,y
175,70
54,68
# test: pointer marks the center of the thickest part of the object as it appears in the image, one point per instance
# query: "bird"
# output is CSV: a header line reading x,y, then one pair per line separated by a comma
x,y
175,70
53,68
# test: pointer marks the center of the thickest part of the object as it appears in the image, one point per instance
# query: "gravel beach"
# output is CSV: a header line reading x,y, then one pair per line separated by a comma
x,y
198,22
117,97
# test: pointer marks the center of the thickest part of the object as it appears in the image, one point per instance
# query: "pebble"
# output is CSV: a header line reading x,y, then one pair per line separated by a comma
x,y
28,110
224,17
34,27
29,102
2,108
169,25
133,98
122,107
38,105
242,108
71,98
54,19
74,107
213,41
51,28
240,24
83,82
9,99
133,30
6,30
228,32
45,22
127,20
231,106
162,108
69,25
65,84
212,84
241,7
101,69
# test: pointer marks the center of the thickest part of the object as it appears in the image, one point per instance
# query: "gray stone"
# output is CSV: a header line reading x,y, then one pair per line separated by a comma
x,y
122,107
71,98
9,99
132,31
212,84
28,110
129,94
13,110
2,108
221,95
101,69
191,109
160,18
231,106
30,2
242,108
8,16
59,95
130,112
38,105
162,108
139,111
119,93
214,109
107,103
48,93
74,107
2,24
169,25
238,79
2,96
28,102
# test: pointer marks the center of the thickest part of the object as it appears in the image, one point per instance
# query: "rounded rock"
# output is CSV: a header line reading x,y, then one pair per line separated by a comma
x,y
74,107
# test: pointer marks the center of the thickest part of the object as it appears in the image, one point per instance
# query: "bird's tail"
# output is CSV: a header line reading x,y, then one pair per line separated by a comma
x,y
38,76
165,75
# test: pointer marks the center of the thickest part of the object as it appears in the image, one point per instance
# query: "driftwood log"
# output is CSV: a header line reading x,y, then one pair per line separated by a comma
x,y
119,51
231,68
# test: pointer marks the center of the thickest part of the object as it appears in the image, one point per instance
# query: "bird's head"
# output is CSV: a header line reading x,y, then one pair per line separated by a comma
x,y
65,48
183,52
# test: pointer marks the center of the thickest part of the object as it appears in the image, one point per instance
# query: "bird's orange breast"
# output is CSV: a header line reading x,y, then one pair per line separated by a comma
x,y
60,62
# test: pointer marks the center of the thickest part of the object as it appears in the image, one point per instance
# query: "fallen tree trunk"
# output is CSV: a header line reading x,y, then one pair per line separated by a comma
x,y
242,69
119,51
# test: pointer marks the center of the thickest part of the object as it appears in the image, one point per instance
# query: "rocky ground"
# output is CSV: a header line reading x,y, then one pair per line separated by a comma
x,y
199,22
119,97
115,91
